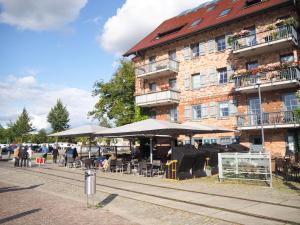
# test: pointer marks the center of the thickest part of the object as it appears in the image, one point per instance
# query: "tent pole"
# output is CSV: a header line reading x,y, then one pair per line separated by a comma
x,y
90,148
151,151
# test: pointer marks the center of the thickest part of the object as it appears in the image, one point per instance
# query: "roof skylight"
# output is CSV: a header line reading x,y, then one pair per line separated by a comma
x,y
225,12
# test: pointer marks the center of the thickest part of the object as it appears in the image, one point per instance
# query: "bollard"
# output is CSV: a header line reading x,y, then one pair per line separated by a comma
x,y
90,182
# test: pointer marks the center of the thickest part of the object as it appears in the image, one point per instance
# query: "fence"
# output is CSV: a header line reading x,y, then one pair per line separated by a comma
x,y
245,166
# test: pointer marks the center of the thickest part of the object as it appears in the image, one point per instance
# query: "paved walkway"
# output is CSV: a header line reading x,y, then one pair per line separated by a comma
x,y
26,205
62,194
235,207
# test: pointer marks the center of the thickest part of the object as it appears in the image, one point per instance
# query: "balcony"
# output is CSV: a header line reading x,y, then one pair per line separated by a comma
x,y
283,119
271,80
158,98
270,40
158,68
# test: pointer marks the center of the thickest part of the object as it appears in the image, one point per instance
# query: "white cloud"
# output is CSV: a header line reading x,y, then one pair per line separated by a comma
x,y
38,98
40,15
135,19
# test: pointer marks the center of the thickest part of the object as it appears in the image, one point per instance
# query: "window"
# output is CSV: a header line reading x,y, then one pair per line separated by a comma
x,y
195,49
195,23
172,54
250,38
206,141
200,111
187,113
152,62
197,112
213,141
288,58
221,44
196,81
290,102
173,114
210,7
170,31
172,84
252,65
251,2
225,12
225,140
222,75
224,109
152,87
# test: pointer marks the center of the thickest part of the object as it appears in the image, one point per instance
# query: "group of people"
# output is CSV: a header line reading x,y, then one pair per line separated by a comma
x,y
23,156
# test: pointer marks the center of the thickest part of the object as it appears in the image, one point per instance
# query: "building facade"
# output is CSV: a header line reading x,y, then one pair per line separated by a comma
x,y
205,66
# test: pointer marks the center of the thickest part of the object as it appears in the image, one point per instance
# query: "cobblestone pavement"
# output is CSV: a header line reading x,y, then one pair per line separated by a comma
x,y
26,205
31,199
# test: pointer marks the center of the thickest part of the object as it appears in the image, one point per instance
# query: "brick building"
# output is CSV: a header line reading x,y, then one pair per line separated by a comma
x,y
204,66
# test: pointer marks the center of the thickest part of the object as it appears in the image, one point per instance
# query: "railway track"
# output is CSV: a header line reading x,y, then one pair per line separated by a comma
x,y
185,190
120,187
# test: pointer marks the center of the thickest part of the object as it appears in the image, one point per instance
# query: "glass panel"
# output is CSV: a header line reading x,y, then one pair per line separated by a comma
x,y
197,112
172,54
225,12
290,102
224,109
289,58
152,87
221,44
196,81
222,75
152,66
173,114
251,37
254,111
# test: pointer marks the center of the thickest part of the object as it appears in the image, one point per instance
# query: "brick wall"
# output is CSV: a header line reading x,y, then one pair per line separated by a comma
x,y
212,91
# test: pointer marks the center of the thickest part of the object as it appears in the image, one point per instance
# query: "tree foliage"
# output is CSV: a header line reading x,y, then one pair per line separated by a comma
x,y
116,97
22,126
58,117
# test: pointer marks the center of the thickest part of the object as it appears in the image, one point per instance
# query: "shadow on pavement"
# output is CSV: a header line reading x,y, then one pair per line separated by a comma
x,y
291,186
15,188
107,200
19,215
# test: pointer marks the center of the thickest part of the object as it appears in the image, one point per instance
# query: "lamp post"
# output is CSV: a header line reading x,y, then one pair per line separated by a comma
x,y
258,83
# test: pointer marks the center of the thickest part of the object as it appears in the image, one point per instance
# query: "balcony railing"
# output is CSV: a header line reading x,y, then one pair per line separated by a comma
x,y
265,38
275,77
272,119
158,98
164,66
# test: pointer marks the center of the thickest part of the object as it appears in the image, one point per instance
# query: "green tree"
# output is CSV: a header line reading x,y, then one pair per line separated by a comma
x,y
42,136
116,97
22,126
58,117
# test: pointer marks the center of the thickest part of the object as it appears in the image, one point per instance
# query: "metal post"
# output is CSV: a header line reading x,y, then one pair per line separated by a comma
x,y
90,147
258,82
151,151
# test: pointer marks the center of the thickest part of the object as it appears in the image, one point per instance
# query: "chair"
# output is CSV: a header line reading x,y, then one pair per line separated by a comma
x,y
145,169
119,166
112,165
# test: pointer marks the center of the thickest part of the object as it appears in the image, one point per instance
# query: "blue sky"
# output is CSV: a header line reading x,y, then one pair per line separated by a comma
x,y
66,56
54,49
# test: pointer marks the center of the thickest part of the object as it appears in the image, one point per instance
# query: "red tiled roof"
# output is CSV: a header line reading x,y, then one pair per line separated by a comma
x,y
208,19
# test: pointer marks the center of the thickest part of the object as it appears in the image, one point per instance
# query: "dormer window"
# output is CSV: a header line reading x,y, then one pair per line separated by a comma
x,y
211,7
225,12
252,2
170,31
195,23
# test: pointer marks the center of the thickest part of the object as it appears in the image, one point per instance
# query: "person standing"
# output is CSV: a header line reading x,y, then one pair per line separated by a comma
x,y
55,154
24,156
45,152
29,154
17,156
0,152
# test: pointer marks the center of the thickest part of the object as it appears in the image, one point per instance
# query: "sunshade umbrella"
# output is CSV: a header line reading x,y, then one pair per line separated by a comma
x,y
82,131
215,129
153,127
